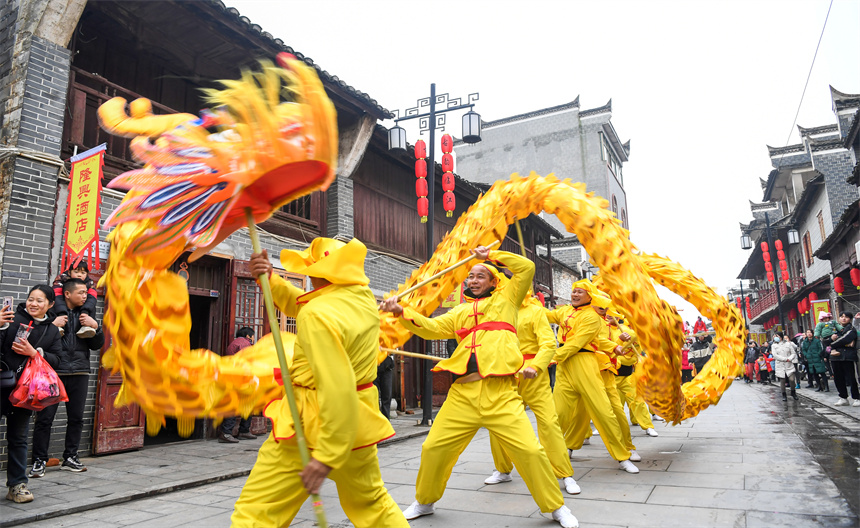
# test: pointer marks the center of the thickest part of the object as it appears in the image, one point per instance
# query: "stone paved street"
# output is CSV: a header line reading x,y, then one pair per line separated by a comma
x,y
752,461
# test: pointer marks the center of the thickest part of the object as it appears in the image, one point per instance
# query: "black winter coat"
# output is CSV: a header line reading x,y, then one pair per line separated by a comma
x,y
43,335
845,344
75,354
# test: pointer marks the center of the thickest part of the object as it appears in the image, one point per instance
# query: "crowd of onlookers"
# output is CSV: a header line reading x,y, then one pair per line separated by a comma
x,y
829,351
57,323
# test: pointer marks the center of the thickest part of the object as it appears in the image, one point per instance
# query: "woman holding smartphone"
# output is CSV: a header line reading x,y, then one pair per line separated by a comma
x,y
38,336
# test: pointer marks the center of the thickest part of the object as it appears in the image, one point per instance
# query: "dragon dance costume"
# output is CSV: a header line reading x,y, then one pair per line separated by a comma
x,y
579,389
488,346
332,370
537,345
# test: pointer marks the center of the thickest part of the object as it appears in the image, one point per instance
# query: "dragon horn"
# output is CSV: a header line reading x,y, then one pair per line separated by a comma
x,y
142,122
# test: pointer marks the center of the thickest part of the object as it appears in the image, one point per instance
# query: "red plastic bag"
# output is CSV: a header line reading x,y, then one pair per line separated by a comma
x,y
38,387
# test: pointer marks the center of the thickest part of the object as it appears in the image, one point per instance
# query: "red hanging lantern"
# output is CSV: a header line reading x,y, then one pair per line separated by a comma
x,y
792,314
765,256
785,276
420,149
839,285
447,163
421,187
449,202
447,143
764,248
770,278
778,244
768,267
806,305
783,265
420,168
423,209
780,255
738,302
855,277
812,297
448,181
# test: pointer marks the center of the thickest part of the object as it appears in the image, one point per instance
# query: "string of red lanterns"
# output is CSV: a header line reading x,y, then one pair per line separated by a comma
x,y
768,266
783,265
448,199
421,179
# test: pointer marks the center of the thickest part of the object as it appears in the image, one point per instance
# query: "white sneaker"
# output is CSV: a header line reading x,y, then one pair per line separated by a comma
x,y
416,509
856,403
86,332
498,477
626,465
651,432
841,402
564,518
655,418
595,432
587,441
571,486
634,456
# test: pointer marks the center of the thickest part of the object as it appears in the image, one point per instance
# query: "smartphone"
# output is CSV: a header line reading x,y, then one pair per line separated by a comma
x,y
7,303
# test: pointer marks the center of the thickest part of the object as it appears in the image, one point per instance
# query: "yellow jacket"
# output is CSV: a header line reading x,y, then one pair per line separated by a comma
x,y
495,346
537,342
578,328
606,348
332,370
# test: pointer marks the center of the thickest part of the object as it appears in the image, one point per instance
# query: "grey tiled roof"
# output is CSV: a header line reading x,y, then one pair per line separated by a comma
x,y
775,151
535,113
599,110
842,101
817,130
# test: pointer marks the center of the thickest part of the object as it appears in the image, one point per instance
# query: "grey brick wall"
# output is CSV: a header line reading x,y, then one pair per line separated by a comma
x,y
561,143
27,254
340,221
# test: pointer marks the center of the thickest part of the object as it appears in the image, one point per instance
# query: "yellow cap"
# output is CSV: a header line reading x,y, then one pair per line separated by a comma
x,y
601,300
586,285
329,259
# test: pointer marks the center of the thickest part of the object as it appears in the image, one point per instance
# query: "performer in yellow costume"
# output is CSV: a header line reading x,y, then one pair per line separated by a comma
x,y
639,413
579,389
332,370
486,359
537,344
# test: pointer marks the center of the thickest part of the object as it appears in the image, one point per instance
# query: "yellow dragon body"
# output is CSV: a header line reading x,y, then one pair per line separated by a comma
x,y
148,315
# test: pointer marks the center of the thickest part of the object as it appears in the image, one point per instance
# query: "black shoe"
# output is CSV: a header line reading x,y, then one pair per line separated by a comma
x,y
246,436
73,464
783,397
793,395
38,470
227,439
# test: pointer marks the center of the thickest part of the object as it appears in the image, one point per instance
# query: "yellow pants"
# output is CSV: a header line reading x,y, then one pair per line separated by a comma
x,y
639,412
580,394
537,394
273,493
492,403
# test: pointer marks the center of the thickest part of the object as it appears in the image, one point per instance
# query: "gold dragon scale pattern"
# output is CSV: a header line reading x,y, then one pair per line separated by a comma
x,y
148,315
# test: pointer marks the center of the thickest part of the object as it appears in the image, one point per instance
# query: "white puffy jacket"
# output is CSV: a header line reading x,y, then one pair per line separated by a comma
x,y
784,358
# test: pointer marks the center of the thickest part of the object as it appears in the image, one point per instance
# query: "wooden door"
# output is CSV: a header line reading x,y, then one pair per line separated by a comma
x,y
116,428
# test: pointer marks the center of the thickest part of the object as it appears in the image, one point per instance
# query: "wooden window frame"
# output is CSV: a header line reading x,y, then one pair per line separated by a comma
x,y
807,249
821,225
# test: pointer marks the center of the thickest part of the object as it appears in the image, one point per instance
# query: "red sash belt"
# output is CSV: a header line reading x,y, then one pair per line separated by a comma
x,y
280,382
529,356
490,325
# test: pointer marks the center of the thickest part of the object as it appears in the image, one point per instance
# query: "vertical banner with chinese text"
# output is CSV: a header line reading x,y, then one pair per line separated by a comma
x,y
82,212
819,306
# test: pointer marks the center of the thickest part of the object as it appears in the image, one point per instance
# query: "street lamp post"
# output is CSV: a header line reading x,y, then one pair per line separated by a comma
x,y
746,243
434,119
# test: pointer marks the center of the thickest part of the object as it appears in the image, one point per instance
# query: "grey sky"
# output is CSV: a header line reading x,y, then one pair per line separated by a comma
x,y
698,87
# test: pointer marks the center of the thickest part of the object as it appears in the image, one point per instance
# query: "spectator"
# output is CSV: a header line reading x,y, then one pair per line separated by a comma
x,y
385,385
761,368
813,354
700,351
244,339
700,326
785,356
80,271
686,367
73,367
749,361
843,355
44,339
